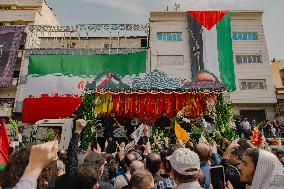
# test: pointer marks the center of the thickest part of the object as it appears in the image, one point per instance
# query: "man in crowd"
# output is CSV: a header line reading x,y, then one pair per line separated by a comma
x,y
261,170
204,152
230,161
185,168
109,125
163,122
141,180
132,125
123,180
94,158
87,177
154,164
246,128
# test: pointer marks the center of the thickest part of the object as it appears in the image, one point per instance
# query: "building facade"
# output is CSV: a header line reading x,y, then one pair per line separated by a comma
x,y
254,96
21,12
104,43
277,68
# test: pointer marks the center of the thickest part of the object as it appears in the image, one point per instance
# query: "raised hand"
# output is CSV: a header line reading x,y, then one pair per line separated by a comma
x,y
80,125
40,156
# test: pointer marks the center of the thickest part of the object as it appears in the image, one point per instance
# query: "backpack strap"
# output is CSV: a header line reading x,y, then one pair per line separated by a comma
x,y
125,177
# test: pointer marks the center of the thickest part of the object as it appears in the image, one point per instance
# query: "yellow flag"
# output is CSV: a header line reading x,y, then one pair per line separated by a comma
x,y
181,134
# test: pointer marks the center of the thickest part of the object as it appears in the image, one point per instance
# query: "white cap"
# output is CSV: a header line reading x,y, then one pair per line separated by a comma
x,y
184,161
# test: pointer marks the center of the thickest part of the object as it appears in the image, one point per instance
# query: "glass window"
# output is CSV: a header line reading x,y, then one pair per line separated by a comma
x,y
244,36
240,59
159,36
252,84
245,60
169,36
179,37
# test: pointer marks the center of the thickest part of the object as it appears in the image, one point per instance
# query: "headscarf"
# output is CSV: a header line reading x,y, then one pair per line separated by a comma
x,y
268,173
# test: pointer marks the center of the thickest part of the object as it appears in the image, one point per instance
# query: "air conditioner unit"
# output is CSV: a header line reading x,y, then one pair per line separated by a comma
x,y
5,112
15,81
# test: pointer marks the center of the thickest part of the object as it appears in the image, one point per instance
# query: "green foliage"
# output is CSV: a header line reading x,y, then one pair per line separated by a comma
x,y
87,113
223,115
157,135
49,135
14,125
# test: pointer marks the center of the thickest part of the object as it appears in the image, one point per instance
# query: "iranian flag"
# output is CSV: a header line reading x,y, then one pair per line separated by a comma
x,y
211,46
55,82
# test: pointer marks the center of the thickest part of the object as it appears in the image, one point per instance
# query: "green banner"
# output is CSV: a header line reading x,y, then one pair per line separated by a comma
x,y
90,65
225,53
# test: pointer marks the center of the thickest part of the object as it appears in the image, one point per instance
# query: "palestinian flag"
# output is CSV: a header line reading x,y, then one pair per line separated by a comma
x,y
4,145
211,47
55,82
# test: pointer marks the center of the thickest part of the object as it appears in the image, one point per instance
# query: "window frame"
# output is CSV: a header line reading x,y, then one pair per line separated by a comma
x,y
249,83
164,36
240,36
252,57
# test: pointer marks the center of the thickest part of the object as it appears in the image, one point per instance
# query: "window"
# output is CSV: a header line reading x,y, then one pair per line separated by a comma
x,y
170,60
244,36
107,45
144,42
175,36
6,7
252,84
240,59
71,45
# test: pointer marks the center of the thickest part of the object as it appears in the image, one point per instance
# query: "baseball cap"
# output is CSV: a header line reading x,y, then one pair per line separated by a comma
x,y
184,161
95,158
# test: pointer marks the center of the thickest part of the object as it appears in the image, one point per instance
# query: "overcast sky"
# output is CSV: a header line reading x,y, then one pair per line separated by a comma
x,y
137,11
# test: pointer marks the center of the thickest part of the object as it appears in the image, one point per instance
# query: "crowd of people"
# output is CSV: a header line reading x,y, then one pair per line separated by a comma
x,y
174,165
269,129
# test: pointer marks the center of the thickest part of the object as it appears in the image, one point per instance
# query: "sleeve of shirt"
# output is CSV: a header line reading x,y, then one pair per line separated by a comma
x,y
216,159
72,155
26,183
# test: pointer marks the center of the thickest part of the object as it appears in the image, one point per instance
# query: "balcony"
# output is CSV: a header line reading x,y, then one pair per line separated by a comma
x,y
17,15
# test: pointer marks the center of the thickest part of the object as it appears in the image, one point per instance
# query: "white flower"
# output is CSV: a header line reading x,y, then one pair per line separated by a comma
x,y
180,114
186,120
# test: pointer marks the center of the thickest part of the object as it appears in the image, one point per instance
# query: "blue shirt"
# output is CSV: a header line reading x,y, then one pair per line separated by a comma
x,y
206,171
205,167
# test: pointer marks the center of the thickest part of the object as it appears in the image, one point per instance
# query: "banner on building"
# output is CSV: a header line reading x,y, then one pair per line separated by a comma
x,y
211,47
56,82
10,39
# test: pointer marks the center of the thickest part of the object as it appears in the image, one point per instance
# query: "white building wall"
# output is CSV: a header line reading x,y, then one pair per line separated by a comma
x,y
170,22
251,22
241,21
45,16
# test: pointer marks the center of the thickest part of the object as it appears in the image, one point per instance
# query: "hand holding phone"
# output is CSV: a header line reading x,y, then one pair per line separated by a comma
x,y
218,177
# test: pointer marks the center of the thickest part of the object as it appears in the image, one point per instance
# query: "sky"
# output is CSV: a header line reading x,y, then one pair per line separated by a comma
x,y
137,11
